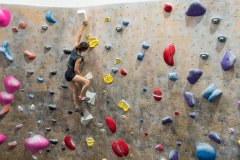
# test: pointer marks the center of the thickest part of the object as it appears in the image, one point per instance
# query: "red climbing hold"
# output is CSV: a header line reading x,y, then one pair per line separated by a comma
x,y
168,7
123,72
157,94
23,25
111,124
29,56
168,54
120,148
69,143
159,147
15,29
176,113
146,134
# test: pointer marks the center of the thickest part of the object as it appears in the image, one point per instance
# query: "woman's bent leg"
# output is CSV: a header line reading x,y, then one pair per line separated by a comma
x,y
85,82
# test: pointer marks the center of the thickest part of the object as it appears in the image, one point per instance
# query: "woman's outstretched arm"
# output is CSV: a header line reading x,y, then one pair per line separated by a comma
x,y
78,38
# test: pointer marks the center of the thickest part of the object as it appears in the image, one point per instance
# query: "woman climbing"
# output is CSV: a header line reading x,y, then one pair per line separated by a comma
x,y
73,74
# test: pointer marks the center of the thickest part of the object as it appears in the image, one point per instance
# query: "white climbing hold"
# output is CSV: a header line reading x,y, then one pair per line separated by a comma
x,y
82,12
20,108
86,118
92,96
32,107
88,76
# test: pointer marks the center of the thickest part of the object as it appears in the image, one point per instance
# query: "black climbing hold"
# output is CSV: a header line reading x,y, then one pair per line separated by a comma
x,y
179,143
67,51
108,47
48,149
119,29
44,27
114,70
216,20
141,120
53,72
31,96
144,89
204,56
48,129
52,107
47,47
63,148
53,141
67,130
64,86
222,39
70,112
145,45
108,101
51,92
81,113
30,72
54,120
192,115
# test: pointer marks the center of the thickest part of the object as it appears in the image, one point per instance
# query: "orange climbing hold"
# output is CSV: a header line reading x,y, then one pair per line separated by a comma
x,y
120,148
168,54
168,7
69,143
111,124
4,111
29,56
157,94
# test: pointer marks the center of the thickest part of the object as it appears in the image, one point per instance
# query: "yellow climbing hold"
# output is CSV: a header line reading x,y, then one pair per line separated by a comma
x,y
124,105
93,41
90,141
118,60
107,19
108,78
238,142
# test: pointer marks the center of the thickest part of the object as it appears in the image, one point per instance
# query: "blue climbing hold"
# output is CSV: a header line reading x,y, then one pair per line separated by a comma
x,y
214,95
194,75
173,76
208,91
228,61
196,9
40,79
205,152
49,17
214,137
188,96
173,155
140,56
145,89
167,120
125,22
145,45
5,51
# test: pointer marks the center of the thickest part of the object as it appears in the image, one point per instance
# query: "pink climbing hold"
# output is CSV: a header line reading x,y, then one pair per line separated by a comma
x,y
120,148
159,147
157,94
111,124
23,25
36,143
168,54
15,29
6,98
2,138
123,72
167,7
11,84
5,17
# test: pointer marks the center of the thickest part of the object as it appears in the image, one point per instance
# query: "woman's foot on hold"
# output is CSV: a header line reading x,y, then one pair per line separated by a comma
x,y
84,99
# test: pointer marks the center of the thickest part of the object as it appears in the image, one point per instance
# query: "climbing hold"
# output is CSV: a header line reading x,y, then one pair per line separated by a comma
x,y
30,72
123,117
69,143
54,120
145,45
108,46
119,28
31,96
48,150
178,143
125,22
3,138
204,56
140,56
120,148
123,72
99,125
36,143
168,7
146,134
44,27
222,39
159,147
6,98
90,141
52,107
124,105
53,141
5,51
177,113
5,17
40,79
231,130
192,115
48,129
238,142
168,54
107,19
32,107
49,17
108,78
173,155
214,137
216,20
4,111
15,29
39,122
167,120
47,47
70,112
145,89
12,145
64,86
173,76
194,75
211,93
114,70
205,152
111,124
228,61
23,25
189,99
67,51
29,55
118,60
141,120
214,95
157,94
54,72
18,127
93,41
20,108
196,9
11,84
92,97
86,117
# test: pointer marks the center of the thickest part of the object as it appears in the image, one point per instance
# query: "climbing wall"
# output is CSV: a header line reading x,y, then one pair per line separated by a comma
x,y
141,125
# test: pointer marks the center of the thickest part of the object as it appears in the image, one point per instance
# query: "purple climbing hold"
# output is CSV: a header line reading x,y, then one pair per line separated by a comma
x,y
167,120
188,96
214,137
194,75
228,61
196,9
173,155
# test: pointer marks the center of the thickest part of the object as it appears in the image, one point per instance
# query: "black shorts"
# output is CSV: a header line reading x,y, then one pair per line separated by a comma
x,y
69,74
